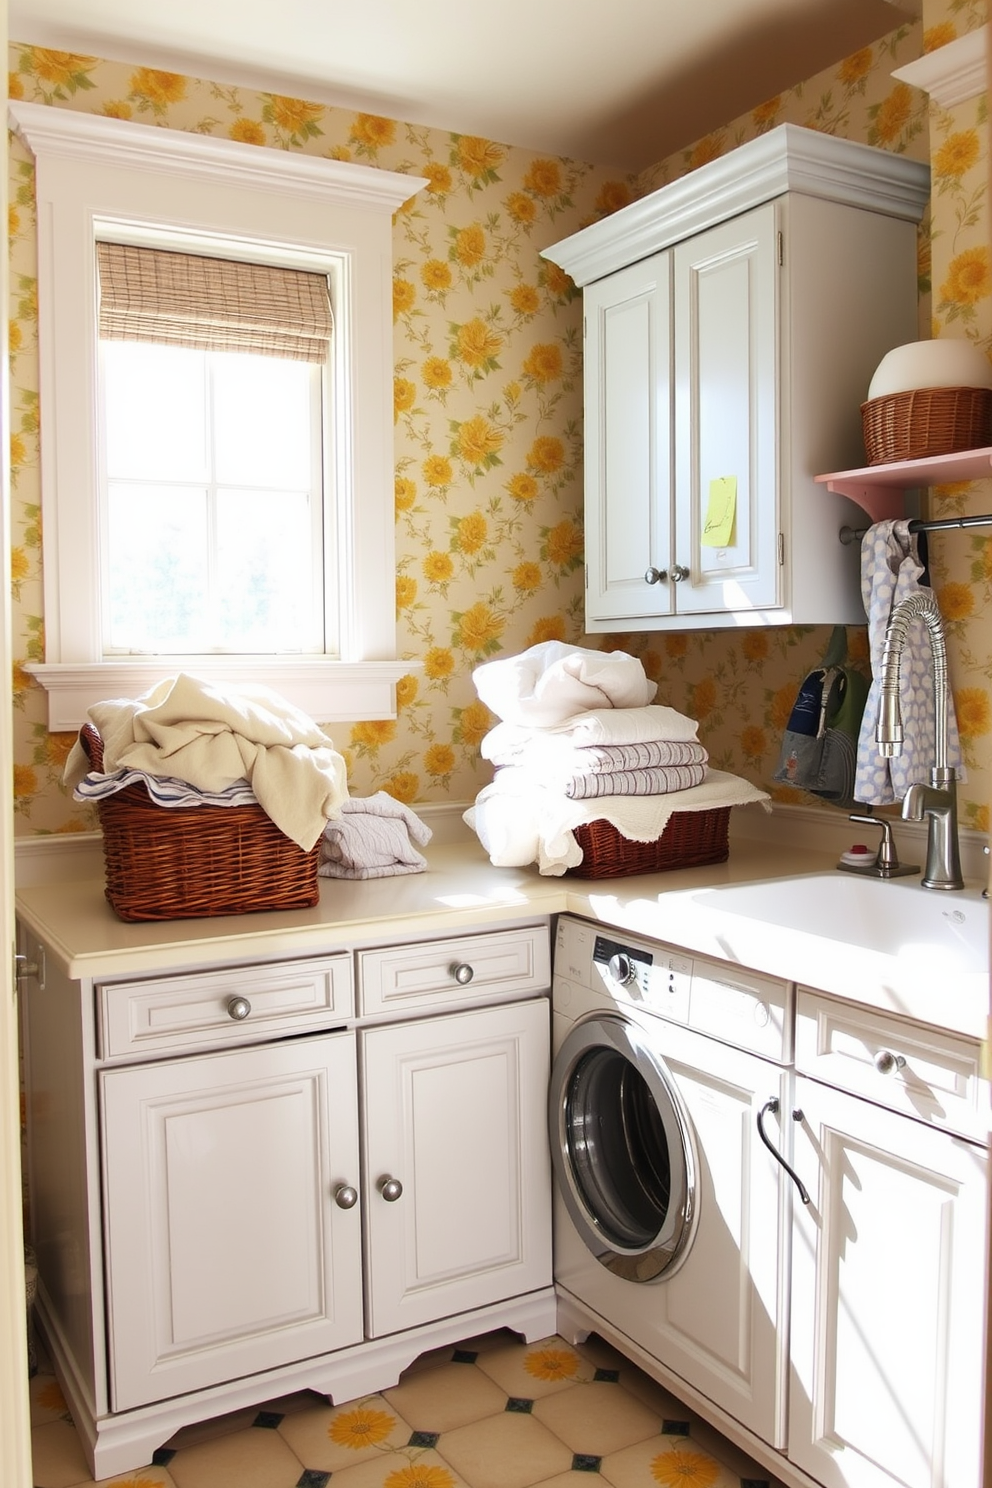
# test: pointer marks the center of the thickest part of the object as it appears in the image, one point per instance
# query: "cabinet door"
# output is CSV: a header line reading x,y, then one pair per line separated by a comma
x,y
888,1270
226,1252
726,414
628,456
454,1113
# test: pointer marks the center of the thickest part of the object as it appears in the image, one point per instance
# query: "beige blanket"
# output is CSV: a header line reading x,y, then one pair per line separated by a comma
x,y
194,731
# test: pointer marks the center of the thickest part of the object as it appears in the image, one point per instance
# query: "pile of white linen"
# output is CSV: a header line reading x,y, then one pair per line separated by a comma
x,y
186,729
624,760
373,838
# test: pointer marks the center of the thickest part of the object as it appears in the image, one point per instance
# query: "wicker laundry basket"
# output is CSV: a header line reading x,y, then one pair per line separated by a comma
x,y
172,863
690,839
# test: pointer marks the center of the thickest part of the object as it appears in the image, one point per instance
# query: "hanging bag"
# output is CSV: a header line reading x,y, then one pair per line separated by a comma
x,y
819,747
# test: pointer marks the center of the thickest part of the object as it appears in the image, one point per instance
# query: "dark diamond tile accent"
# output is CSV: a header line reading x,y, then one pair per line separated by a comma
x,y
609,1376
268,1420
519,1405
424,1439
675,1428
162,1456
314,1478
464,1356
582,1462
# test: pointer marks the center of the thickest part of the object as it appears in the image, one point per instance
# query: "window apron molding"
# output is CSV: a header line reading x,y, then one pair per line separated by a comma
x,y
142,183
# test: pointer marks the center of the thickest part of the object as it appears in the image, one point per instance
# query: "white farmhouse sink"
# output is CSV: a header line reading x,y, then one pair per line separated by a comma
x,y
945,930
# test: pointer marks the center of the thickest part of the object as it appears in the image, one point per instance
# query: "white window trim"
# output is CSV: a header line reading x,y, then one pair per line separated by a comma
x,y
91,171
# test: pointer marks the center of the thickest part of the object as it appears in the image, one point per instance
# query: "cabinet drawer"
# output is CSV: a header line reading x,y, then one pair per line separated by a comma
x,y
459,972
172,1014
909,1067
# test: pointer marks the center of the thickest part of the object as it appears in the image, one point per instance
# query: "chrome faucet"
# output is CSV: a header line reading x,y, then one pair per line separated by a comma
x,y
938,800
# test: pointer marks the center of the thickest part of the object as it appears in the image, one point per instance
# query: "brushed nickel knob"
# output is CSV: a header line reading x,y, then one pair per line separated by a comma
x,y
654,575
679,572
238,1008
390,1188
887,1063
345,1196
462,973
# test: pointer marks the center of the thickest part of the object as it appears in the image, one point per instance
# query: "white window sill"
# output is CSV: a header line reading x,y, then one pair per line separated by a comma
x,y
328,691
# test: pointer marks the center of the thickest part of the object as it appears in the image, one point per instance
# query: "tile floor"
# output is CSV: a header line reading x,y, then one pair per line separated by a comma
x,y
491,1413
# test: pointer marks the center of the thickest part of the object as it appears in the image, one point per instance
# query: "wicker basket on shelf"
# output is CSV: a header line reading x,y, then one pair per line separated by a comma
x,y
691,838
924,422
171,863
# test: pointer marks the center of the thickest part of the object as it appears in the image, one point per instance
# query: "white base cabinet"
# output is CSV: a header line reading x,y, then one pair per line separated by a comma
x,y
887,1338
227,1210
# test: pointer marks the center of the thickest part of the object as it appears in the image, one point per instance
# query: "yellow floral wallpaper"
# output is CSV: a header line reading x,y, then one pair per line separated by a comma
x,y
488,411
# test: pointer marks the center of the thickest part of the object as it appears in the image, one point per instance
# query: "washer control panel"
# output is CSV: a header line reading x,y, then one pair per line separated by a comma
x,y
656,979
737,1006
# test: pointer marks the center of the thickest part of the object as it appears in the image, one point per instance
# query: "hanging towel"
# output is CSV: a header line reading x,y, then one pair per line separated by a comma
x,y
891,570
552,682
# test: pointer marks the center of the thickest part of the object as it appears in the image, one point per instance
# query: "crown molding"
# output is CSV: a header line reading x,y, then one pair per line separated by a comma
x,y
789,158
93,137
954,73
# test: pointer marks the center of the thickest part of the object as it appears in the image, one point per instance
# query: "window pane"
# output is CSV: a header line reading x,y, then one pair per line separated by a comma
x,y
158,568
155,410
262,420
265,571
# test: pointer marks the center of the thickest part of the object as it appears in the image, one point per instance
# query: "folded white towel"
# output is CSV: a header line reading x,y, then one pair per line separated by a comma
x,y
163,790
656,781
191,730
552,682
372,839
535,826
598,726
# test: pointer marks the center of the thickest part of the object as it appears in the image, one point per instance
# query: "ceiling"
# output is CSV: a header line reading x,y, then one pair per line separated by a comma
x,y
619,83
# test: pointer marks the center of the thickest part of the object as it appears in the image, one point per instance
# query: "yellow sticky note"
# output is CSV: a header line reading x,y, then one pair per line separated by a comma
x,y
720,512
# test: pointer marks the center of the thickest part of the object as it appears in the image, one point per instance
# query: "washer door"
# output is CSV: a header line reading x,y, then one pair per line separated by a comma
x,y
623,1149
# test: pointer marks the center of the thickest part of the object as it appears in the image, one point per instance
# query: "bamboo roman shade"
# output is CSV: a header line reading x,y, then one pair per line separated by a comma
x,y
212,304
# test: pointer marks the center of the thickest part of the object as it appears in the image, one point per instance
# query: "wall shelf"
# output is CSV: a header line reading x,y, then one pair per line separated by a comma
x,y
880,489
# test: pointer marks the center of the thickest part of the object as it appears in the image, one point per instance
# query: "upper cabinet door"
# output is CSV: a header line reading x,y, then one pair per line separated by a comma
x,y
727,329
628,449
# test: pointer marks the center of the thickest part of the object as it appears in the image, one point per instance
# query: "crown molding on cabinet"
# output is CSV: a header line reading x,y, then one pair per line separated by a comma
x,y
788,158
955,72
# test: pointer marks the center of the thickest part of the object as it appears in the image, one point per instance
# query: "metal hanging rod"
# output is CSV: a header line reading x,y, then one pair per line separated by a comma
x,y
853,534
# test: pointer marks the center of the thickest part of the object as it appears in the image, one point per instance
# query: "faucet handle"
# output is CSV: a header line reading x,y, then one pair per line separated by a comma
x,y
887,855
887,864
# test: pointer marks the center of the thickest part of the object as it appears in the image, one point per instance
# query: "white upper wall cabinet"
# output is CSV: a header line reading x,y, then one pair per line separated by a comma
x,y
733,321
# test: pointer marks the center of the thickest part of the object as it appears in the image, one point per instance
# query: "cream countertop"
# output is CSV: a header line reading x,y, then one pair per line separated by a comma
x,y
462,892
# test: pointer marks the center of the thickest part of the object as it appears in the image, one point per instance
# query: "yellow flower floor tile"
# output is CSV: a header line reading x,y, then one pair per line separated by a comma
x,y
492,1412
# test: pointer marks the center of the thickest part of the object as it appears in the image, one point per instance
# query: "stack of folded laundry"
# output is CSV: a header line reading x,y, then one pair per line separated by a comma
x,y
579,741
373,838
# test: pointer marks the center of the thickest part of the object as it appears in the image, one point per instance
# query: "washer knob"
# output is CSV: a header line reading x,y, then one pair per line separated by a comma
x,y
622,969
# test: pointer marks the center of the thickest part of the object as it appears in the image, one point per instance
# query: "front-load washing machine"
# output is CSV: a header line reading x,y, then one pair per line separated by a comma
x,y
667,1108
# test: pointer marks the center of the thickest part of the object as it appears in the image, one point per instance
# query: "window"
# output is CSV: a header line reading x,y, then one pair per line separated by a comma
x,y
110,181
211,393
